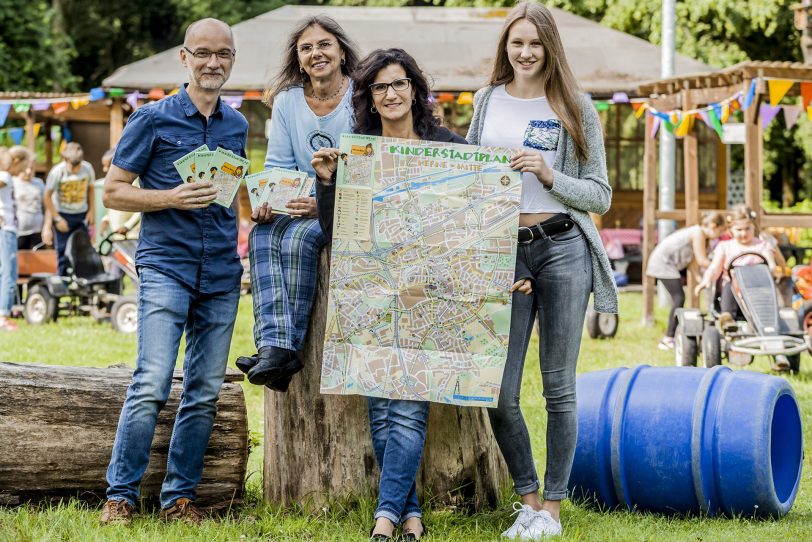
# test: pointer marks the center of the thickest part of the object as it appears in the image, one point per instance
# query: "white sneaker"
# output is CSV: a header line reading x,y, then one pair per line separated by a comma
x,y
532,525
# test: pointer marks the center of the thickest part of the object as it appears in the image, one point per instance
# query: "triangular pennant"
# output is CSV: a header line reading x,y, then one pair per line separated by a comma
x,y
809,112
174,91
257,95
115,92
40,106
674,118
156,94
37,127
132,99
4,109
703,114
96,93
639,109
725,112
66,133
620,98
791,114
601,105
16,135
669,126
22,107
233,101
684,126
778,89
61,107
751,94
62,146
767,114
735,103
714,121
806,94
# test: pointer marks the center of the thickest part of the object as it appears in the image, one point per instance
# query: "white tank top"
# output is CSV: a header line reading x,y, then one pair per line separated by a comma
x,y
530,124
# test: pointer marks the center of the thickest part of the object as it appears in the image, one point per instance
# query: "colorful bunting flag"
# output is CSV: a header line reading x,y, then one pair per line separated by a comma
x,y
66,133
465,98
806,94
115,92
703,114
61,107
233,101
767,113
133,98
40,106
174,91
156,94
725,112
257,95
639,109
791,114
684,126
751,94
37,127
808,113
96,93
714,118
601,105
655,125
56,131
442,97
778,89
620,98
22,107
16,135
4,109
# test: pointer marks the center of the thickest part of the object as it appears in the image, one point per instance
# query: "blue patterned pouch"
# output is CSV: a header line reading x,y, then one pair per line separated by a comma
x,y
542,134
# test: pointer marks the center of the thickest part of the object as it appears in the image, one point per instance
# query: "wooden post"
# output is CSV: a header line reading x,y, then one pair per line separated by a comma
x,y
116,121
649,219
49,147
318,447
753,150
30,139
691,181
58,425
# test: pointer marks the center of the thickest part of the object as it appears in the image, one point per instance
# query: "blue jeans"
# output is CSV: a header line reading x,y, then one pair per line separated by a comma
x,y
76,221
398,433
562,271
8,271
165,309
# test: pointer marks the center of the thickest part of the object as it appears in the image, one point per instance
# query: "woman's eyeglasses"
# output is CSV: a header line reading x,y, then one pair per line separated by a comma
x,y
398,85
307,49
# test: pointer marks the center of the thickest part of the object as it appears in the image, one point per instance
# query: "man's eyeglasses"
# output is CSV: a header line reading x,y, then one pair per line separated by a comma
x,y
307,49
399,85
205,54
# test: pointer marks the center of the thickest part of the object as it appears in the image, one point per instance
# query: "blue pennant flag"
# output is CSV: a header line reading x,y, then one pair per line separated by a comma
x,y
751,94
4,109
17,135
66,135
96,93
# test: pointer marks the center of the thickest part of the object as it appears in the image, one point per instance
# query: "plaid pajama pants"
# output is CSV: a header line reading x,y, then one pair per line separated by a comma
x,y
284,258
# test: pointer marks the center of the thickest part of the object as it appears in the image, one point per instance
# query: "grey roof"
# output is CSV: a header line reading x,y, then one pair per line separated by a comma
x,y
454,45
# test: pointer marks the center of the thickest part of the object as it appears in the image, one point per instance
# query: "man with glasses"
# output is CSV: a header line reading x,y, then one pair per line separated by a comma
x,y
189,274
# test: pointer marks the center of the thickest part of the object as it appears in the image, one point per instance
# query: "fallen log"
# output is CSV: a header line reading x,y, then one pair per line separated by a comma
x,y
57,426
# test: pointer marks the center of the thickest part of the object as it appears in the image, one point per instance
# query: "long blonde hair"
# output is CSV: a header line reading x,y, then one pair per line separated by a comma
x,y
560,85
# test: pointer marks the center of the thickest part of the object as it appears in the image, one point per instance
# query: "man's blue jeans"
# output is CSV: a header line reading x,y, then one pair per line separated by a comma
x,y
398,433
8,271
167,308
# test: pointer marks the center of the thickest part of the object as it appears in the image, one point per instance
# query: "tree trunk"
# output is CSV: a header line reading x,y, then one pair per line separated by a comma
x,y
57,426
318,446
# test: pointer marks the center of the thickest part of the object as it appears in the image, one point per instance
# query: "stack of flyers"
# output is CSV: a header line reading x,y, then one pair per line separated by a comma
x,y
276,187
187,165
221,167
225,171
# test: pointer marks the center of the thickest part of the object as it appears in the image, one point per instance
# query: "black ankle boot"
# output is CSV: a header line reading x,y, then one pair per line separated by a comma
x,y
273,364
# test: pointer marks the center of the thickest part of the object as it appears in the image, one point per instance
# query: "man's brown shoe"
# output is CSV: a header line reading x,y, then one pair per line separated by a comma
x,y
183,510
117,513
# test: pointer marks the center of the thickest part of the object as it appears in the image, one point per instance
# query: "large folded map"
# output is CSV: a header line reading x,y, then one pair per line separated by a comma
x,y
423,256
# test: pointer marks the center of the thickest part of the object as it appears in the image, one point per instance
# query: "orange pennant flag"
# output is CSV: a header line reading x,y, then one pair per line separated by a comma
x,y
252,95
806,94
61,107
156,94
639,108
778,89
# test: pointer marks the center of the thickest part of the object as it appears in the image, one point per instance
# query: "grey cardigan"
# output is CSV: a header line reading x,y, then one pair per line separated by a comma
x,y
581,186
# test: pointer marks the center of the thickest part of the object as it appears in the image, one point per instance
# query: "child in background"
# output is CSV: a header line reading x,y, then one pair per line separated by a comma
x,y
673,255
28,193
742,223
69,198
12,162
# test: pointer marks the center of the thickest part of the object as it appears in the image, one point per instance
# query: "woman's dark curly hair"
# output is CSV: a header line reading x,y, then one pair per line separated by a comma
x,y
367,122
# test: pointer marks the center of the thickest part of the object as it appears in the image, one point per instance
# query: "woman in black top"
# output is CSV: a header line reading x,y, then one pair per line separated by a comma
x,y
391,99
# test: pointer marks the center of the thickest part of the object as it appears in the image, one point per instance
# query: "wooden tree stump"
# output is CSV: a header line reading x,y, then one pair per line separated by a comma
x,y
58,424
318,447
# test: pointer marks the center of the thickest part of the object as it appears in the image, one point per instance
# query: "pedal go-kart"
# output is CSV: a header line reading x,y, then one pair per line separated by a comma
x,y
761,328
87,290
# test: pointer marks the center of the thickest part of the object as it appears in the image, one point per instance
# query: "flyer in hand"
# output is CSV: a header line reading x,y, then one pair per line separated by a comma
x,y
423,256
225,171
186,165
277,186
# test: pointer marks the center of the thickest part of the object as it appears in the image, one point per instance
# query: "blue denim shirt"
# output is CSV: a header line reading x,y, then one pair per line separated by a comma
x,y
196,247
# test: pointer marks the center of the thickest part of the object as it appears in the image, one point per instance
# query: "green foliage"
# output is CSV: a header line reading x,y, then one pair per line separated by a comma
x,y
33,55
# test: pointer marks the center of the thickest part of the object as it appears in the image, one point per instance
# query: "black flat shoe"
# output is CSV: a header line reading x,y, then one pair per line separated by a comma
x,y
274,364
378,537
408,536
245,364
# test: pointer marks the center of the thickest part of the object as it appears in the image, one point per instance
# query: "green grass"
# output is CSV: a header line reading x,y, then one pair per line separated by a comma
x,y
79,341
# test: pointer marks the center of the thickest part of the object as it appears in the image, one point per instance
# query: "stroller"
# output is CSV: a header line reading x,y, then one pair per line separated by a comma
x,y
88,289
761,328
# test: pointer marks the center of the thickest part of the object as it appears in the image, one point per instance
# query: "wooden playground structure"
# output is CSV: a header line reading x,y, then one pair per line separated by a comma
x,y
696,91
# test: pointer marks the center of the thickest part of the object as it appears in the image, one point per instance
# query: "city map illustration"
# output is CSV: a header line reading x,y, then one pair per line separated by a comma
x,y
423,256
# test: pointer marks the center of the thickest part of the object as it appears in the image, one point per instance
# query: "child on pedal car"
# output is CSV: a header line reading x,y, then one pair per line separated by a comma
x,y
743,228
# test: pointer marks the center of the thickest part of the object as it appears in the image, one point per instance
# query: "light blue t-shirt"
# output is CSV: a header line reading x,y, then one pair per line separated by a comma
x,y
297,132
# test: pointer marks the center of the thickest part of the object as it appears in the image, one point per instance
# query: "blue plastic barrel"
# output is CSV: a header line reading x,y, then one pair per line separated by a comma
x,y
687,440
